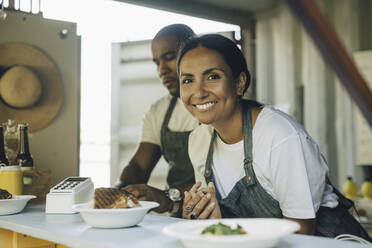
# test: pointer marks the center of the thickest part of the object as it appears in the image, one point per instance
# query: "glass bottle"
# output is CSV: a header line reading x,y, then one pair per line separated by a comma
x,y
3,158
350,188
366,189
11,140
24,157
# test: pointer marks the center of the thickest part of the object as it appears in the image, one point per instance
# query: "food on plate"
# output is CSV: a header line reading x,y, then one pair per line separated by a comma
x,y
114,198
222,229
5,194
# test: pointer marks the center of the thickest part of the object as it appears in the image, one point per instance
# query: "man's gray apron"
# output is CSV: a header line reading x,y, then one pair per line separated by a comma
x,y
175,151
249,199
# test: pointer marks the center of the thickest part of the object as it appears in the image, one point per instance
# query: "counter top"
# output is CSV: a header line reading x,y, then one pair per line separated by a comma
x,y
71,230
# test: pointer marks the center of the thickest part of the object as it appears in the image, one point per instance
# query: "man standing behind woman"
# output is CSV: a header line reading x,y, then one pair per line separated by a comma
x,y
251,160
165,130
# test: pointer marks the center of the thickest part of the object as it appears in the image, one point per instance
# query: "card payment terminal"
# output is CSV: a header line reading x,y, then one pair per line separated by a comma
x,y
70,191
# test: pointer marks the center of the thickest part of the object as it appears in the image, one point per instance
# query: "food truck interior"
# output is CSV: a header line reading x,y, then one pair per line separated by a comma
x,y
309,58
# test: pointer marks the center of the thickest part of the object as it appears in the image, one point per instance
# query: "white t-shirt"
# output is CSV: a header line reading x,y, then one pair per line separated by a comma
x,y
181,120
286,161
231,155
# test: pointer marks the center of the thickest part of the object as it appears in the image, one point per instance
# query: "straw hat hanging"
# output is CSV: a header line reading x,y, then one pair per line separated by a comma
x,y
30,86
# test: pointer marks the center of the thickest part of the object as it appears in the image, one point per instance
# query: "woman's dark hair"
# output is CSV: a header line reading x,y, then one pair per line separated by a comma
x,y
180,31
232,55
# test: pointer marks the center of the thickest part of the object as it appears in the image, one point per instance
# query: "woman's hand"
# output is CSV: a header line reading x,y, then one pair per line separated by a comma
x,y
193,200
216,212
201,203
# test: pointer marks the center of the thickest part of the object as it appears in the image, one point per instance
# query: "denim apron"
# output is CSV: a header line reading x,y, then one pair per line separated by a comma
x,y
331,222
174,147
249,199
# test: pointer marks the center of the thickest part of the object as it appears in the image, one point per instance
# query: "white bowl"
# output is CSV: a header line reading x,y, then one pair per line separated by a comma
x,y
14,205
261,232
114,218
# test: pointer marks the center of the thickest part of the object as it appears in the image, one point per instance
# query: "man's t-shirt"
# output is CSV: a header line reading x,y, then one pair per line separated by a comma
x,y
181,120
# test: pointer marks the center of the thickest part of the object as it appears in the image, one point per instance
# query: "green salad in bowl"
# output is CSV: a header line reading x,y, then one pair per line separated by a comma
x,y
222,229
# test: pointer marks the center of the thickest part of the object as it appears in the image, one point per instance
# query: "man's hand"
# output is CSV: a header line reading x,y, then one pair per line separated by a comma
x,y
144,192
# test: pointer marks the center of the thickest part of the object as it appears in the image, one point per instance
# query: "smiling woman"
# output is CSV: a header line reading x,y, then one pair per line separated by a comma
x,y
206,90
263,163
208,68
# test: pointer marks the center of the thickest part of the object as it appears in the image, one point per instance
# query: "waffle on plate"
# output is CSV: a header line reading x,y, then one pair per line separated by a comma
x,y
114,198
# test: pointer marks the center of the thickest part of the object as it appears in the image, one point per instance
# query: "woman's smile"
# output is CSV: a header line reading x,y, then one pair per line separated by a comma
x,y
205,106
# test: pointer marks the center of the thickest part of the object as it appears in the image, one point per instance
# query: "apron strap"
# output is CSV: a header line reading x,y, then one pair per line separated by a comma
x,y
167,117
208,164
248,145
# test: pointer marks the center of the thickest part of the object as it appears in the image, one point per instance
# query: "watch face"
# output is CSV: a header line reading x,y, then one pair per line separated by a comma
x,y
174,194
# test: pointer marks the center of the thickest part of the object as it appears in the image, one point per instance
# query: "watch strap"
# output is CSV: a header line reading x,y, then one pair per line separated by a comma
x,y
175,208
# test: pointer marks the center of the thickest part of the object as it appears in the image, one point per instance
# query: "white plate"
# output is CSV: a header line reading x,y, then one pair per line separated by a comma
x,y
14,205
114,218
261,232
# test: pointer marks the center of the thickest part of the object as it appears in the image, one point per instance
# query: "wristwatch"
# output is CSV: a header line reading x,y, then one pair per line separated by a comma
x,y
175,196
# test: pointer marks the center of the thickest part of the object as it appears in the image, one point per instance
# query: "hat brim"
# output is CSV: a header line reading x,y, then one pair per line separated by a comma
x,y
50,102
